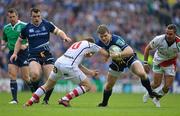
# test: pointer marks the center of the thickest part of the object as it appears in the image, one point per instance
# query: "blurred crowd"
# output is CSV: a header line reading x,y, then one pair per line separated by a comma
x,y
138,21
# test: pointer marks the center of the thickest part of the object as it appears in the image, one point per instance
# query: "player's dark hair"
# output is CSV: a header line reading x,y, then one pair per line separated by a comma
x,y
35,10
12,10
102,29
172,27
90,39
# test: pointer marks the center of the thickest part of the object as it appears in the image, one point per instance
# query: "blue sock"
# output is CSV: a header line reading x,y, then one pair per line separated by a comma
x,y
13,86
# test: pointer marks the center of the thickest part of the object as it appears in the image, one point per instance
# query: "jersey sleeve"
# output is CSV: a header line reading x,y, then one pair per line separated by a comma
x,y
154,43
23,33
4,36
178,43
94,48
121,43
51,26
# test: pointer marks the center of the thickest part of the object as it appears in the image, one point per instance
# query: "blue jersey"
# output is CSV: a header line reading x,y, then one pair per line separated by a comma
x,y
118,41
115,40
38,36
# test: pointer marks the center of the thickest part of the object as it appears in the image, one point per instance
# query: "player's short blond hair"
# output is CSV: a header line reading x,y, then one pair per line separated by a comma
x,y
102,29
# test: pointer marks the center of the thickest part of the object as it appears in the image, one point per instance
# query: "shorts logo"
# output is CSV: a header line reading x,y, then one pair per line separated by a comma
x,y
55,69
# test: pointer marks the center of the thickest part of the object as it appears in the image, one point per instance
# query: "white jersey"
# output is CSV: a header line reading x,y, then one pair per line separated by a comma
x,y
164,52
74,55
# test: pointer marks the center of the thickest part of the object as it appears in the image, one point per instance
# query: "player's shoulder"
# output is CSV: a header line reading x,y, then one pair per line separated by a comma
x,y
177,39
160,37
22,23
45,21
7,26
118,40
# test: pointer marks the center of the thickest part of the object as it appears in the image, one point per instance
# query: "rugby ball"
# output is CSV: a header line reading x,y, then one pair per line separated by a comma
x,y
115,48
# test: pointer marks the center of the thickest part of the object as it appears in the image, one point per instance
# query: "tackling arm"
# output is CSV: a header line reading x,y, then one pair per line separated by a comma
x,y
88,71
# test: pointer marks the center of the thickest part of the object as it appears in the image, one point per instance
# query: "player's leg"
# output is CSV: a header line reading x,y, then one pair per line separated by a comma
x,y
168,81
111,80
50,83
157,79
169,75
83,87
12,72
35,72
46,71
167,85
79,78
26,77
137,69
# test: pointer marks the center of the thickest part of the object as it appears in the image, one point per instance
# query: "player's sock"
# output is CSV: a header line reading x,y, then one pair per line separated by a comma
x,y
146,84
30,85
47,95
75,93
106,96
13,86
39,92
36,84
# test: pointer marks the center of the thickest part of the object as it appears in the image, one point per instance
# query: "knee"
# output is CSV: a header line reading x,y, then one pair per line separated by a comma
x,y
165,89
156,84
12,75
142,75
34,76
108,86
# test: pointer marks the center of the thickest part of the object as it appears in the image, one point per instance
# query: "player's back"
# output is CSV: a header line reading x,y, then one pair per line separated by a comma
x,y
76,52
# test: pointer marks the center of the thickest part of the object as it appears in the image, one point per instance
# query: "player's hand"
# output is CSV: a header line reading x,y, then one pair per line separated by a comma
x,y
23,47
115,55
147,68
94,73
3,47
67,39
13,57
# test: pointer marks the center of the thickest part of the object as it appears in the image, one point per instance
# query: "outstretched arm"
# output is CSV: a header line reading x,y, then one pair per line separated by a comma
x,y
61,34
105,54
87,71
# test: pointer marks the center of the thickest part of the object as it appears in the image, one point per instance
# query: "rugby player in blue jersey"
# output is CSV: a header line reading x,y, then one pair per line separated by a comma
x,y
126,59
37,32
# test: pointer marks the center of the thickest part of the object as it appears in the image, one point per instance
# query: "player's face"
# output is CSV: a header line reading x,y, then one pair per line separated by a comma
x,y
170,35
36,18
105,38
13,18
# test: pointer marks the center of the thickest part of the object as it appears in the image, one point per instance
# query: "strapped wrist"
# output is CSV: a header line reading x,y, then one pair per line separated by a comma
x,y
145,62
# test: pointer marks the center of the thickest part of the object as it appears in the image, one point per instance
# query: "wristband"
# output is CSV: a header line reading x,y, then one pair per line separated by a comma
x,y
145,62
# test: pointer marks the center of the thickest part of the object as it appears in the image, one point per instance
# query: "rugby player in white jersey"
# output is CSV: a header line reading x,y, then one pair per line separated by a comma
x,y
167,47
69,67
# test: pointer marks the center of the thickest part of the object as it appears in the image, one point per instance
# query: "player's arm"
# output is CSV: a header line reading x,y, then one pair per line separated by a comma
x,y
87,71
18,45
146,53
104,53
62,34
16,49
128,51
3,44
3,41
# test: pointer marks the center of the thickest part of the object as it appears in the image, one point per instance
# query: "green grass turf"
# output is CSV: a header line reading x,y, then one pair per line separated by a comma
x,y
86,105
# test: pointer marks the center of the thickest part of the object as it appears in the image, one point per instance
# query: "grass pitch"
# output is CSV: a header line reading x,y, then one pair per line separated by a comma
x,y
86,105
